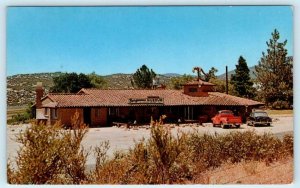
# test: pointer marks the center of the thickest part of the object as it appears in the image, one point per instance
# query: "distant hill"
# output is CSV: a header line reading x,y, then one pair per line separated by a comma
x,y
223,76
171,74
21,87
21,90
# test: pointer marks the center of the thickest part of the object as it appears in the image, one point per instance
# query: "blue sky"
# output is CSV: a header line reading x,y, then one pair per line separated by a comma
x,y
120,39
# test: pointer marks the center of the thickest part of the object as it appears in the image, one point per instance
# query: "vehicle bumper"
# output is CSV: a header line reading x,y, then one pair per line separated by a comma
x,y
262,123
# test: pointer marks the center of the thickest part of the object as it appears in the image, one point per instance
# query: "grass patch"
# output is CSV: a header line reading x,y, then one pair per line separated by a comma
x,y
11,111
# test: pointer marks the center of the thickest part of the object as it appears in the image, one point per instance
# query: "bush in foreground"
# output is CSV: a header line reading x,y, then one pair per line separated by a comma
x,y
50,155
163,159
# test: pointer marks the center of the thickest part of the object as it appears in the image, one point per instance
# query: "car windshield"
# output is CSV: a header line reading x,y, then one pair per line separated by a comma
x,y
260,114
225,112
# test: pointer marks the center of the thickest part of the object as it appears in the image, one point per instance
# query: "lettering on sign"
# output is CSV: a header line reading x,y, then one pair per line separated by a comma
x,y
148,100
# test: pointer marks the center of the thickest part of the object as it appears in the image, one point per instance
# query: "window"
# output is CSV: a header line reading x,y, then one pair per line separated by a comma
x,y
192,89
46,112
97,112
113,111
53,113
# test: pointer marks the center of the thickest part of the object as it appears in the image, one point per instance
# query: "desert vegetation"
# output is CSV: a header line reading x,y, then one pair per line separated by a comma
x,y
52,155
20,115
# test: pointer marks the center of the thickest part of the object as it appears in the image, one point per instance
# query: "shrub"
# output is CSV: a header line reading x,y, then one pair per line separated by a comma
x,y
49,155
19,118
112,171
288,144
280,105
163,159
206,150
165,152
213,150
23,117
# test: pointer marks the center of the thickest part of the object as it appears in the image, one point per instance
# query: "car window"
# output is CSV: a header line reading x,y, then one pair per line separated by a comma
x,y
260,114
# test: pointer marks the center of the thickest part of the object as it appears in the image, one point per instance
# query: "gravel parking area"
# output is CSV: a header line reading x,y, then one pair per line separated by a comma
x,y
122,139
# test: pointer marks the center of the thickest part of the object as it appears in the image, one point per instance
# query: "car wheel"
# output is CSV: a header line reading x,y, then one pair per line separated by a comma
x,y
222,126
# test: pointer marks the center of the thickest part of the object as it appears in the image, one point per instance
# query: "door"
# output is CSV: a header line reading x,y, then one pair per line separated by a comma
x,y
87,116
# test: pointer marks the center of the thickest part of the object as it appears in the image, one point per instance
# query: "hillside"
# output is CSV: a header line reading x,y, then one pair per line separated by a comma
x,y
21,87
252,75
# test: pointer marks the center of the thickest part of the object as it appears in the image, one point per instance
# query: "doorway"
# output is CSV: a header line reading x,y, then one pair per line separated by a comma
x,y
87,116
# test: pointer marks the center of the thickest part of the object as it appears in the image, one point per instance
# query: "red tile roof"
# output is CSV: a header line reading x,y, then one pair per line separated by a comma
x,y
98,97
71,100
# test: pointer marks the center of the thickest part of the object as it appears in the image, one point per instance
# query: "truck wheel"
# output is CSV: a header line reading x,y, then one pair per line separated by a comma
x,y
269,124
214,125
238,126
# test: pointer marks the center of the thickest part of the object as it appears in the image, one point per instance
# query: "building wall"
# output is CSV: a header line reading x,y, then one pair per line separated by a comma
x,y
141,114
65,115
103,117
46,101
99,117
197,91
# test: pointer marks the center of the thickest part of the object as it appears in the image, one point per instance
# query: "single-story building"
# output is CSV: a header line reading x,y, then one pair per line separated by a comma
x,y
100,107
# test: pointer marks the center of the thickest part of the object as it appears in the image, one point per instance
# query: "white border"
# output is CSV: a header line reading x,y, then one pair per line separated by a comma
x,y
5,3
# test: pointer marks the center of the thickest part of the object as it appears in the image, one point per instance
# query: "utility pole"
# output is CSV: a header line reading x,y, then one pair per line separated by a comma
x,y
226,80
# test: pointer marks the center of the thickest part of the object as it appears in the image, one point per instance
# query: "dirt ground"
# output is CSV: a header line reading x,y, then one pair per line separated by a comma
x,y
253,172
122,139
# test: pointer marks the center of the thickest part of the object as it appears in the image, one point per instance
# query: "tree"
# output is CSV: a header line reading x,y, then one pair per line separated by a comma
x,y
70,83
241,81
221,86
143,78
97,81
275,73
211,74
177,82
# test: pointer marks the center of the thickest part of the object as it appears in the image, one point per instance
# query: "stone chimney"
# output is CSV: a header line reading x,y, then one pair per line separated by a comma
x,y
39,94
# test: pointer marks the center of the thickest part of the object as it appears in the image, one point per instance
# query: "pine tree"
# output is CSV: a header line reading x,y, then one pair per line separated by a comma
x,y
275,74
241,81
143,78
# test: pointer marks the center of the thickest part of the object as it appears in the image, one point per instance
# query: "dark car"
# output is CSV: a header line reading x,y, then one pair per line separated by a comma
x,y
259,118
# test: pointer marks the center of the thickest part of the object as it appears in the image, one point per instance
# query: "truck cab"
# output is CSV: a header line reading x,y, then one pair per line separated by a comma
x,y
226,118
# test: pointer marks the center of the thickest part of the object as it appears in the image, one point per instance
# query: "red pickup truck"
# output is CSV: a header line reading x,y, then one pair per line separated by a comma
x,y
225,118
